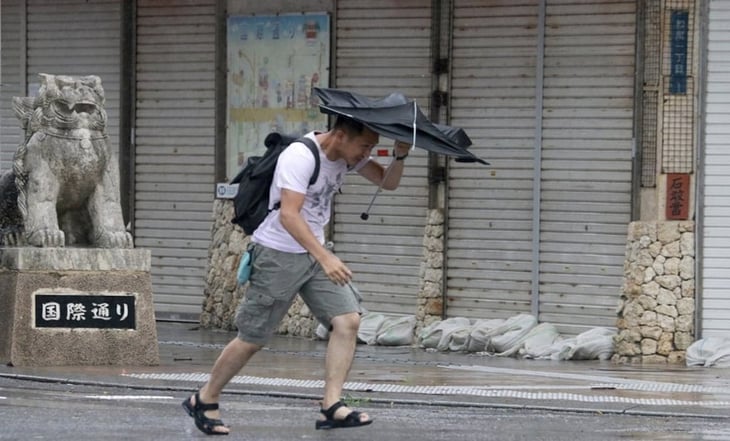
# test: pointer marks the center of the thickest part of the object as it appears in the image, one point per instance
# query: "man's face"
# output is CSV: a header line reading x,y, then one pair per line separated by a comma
x,y
358,147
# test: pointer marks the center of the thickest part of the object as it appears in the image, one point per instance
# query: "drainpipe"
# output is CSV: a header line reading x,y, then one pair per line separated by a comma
x,y
127,111
537,169
704,11
221,91
637,147
438,191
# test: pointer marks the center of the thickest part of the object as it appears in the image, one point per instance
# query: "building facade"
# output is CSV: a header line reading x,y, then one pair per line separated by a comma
x,y
572,102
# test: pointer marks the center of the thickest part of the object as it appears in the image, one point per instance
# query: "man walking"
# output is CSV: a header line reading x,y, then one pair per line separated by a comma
x,y
289,257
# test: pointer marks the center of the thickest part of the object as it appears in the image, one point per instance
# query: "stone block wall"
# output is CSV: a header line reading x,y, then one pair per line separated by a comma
x,y
222,294
430,307
657,304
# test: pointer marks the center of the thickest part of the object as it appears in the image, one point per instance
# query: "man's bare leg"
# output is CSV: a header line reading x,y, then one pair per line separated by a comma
x,y
338,361
233,358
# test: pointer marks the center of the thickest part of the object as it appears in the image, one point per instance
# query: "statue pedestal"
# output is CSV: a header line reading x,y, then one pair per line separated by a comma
x,y
76,306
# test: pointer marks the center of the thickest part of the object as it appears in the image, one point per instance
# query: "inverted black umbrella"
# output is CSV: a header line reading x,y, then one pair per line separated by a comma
x,y
397,118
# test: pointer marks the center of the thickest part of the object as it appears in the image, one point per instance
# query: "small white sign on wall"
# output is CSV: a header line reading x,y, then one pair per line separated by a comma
x,y
225,191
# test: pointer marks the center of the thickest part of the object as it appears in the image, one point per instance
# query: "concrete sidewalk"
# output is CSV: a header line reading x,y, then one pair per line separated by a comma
x,y
293,367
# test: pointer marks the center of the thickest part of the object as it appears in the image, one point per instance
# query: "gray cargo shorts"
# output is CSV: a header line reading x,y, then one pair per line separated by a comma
x,y
276,278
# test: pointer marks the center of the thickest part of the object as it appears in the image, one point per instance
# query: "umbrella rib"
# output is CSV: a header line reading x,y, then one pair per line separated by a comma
x,y
337,111
415,115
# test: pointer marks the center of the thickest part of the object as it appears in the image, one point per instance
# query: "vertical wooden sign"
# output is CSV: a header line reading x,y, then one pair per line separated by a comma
x,y
678,192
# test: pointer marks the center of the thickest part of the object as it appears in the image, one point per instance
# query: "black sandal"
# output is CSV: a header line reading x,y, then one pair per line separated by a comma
x,y
351,420
202,422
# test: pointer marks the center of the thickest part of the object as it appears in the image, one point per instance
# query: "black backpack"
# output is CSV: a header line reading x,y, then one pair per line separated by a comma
x,y
251,203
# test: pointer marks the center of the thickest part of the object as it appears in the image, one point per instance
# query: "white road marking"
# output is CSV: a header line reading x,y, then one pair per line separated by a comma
x,y
129,397
603,381
479,391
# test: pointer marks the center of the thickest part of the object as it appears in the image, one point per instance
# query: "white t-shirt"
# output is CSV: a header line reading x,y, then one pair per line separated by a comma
x,y
294,169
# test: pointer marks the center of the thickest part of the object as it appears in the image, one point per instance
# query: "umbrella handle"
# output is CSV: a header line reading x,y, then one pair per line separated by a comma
x,y
366,214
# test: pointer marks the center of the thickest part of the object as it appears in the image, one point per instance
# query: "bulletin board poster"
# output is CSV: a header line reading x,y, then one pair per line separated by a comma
x,y
273,64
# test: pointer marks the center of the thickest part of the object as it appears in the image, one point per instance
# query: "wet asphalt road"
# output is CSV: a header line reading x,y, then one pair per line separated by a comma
x,y
32,410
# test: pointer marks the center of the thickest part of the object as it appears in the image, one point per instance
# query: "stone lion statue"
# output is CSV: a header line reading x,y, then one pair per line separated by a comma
x,y
64,185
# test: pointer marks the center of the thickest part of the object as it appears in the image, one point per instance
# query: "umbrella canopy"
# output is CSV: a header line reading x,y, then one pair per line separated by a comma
x,y
395,117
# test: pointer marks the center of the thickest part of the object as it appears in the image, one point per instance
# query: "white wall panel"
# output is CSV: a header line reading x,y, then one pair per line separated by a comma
x,y
715,313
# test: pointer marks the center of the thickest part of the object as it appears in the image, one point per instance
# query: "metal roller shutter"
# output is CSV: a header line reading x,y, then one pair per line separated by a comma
x,y
10,84
715,308
59,44
174,134
490,209
584,91
385,252
586,160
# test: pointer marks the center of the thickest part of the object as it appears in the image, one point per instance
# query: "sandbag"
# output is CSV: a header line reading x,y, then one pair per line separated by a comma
x,y
429,338
561,349
396,331
710,351
370,324
511,332
481,334
537,342
438,334
459,339
596,343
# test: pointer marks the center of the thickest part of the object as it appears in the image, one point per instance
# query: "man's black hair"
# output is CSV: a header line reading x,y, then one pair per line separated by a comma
x,y
349,125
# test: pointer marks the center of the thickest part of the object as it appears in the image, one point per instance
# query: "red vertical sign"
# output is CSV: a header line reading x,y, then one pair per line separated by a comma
x,y
678,191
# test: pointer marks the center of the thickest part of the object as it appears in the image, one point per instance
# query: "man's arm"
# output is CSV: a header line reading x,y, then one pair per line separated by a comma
x,y
375,173
293,222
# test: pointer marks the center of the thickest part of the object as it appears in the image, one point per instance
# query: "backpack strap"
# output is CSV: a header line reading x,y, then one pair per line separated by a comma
x,y
315,151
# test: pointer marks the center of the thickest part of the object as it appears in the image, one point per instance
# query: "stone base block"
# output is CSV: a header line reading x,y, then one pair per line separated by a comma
x,y
657,304
76,306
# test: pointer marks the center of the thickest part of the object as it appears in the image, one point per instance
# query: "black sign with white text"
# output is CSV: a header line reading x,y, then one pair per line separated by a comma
x,y
679,45
84,311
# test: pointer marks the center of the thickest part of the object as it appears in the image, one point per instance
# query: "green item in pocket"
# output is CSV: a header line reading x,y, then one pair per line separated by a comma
x,y
244,268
